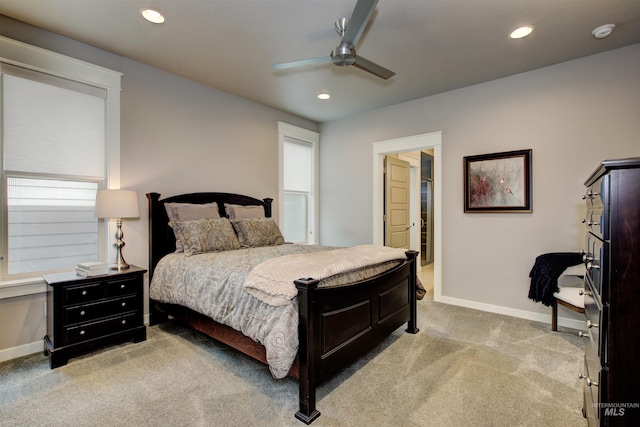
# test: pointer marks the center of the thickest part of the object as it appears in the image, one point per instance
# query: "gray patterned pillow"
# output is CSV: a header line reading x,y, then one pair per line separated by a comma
x,y
205,235
255,232
242,212
188,212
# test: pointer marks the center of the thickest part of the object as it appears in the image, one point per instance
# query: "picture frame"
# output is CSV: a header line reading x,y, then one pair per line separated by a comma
x,y
498,182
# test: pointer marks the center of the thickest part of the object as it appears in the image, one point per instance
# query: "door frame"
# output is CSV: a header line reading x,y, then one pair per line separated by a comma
x,y
411,143
414,205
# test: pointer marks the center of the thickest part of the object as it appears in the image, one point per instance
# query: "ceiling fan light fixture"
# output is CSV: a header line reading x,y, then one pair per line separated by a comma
x,y
152,16
521,32
324,95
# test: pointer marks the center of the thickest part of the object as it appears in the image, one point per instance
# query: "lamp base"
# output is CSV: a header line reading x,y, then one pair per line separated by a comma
x,y
119,267
120,264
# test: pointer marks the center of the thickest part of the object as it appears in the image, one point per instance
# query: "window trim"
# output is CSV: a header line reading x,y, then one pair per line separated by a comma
x,y
286,130
16,53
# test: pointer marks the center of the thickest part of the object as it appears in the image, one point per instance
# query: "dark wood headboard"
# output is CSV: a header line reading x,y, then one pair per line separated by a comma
x,y
161,238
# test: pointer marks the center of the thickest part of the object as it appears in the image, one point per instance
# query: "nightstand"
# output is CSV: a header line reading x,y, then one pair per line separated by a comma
x,y
84,313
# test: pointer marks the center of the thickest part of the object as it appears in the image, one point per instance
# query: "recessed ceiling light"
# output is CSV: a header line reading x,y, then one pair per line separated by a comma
x,y
603,31
521,32
324,95
152,16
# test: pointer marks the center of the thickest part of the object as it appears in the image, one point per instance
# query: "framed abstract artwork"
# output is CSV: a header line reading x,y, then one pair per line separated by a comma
x,y
498,182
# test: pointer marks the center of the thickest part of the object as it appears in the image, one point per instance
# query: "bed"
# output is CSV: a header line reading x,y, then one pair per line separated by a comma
x,y
336,323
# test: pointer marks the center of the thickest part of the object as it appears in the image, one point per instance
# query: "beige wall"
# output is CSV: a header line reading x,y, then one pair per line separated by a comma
x,y
572,115
23,322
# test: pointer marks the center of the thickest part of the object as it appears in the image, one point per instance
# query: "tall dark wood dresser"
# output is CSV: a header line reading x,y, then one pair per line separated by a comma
x,y
612,295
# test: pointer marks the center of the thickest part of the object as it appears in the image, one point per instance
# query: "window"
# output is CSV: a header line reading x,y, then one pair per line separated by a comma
x,y
55,138
51,224
298,209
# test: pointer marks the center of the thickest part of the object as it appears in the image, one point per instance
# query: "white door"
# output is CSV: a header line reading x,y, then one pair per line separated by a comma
x,y
396,206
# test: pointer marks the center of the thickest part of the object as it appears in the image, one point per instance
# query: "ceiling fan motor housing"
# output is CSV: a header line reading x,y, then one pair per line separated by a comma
x,y
343,56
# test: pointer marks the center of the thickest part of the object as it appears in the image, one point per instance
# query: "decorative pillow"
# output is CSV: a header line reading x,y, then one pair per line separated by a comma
x,y
190,212
255,232
241,211
205,235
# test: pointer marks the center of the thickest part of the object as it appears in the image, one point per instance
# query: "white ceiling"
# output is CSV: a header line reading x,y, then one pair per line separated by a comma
x,y
433,45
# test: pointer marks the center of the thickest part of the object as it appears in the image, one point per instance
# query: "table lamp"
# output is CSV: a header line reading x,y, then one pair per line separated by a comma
x,y
117,204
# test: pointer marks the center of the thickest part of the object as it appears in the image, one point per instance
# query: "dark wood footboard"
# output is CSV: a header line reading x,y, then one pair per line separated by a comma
x,y
339,325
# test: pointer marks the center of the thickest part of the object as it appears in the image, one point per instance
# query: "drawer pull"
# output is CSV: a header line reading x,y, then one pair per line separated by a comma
x,y
82,332
84,292
583,334
583,292
588,380
82,313
124,322
589,223
592,266
590,324
123,286
586,257
124,304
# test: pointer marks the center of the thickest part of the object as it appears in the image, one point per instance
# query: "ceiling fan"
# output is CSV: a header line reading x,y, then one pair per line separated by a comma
x,y
345,53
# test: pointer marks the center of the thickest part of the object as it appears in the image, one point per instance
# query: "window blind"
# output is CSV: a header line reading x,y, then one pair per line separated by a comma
x,y
54,151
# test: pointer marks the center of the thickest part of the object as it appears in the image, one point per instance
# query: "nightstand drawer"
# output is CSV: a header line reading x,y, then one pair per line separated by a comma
x,y
88,331
124,286
86,312
83,293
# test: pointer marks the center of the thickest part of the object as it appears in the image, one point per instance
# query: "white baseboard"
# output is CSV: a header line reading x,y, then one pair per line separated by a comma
x,y
23,350
522,314
31,348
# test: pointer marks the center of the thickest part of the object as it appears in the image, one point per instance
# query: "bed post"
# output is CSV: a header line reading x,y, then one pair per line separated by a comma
x,y
306,361
412,325
267,206
155,316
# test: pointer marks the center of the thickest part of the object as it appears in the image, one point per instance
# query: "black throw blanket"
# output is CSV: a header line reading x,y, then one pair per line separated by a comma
x,y
545,273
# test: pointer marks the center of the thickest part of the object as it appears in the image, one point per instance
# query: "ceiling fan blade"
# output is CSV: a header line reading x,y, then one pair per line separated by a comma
x,y
359,20
301,63
373,68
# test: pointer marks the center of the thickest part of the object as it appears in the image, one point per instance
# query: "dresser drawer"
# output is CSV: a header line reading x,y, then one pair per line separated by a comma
x,y
123,286
88,331
87,312
86,292
591,377
596,315
596,218
596,265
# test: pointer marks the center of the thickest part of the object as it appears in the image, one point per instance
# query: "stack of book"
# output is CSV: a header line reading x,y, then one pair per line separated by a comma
x,y
91,268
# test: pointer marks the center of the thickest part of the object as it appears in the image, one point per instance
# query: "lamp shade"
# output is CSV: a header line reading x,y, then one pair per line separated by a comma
x,y
117,204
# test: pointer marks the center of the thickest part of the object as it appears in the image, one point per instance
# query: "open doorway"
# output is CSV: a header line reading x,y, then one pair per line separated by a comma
x,y
432,141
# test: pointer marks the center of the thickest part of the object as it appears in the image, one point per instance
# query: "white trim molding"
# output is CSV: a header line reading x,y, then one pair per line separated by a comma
x,y
521,314
20,351
286,130
412,143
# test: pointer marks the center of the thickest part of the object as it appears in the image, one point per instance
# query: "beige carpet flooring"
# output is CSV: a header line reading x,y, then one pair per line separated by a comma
x,y
464,368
